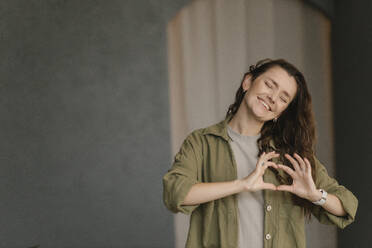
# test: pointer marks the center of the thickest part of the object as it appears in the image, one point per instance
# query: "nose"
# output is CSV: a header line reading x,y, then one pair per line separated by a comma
x,y
273,96
270,99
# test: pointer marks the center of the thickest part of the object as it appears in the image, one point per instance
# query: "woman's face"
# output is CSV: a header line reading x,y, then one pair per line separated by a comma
x,y
270,93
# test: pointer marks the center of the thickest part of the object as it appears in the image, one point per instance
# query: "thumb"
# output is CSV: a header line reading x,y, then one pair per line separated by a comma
x,y
268,186
284,188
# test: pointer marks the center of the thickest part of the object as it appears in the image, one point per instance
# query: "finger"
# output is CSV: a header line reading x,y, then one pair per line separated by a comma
x,y
267,153
285,188
268,186
300,162
263,154
263,158
308,165
271,155
293,162
266,157
287,169
260,159
270,164
260,164
263,168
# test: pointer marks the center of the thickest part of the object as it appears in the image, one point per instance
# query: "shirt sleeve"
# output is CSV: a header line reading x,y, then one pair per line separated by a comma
x,y
347,198
183,174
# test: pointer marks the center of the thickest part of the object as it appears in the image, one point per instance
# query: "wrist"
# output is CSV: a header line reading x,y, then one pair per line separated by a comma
x,y
239,185
315,196
323,198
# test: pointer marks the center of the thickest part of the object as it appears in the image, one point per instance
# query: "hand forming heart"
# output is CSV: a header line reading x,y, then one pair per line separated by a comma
x,y
254,181
303,184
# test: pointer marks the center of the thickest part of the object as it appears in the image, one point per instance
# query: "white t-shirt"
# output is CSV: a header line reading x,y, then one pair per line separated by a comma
x,y
250,204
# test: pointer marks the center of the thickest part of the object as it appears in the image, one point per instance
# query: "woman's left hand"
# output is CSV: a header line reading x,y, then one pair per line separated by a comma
x,y
303,184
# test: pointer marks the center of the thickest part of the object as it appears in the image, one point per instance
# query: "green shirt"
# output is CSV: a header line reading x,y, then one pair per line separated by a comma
x,y
206,156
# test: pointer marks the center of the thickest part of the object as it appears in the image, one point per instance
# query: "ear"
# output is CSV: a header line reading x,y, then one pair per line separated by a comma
x,y
247,82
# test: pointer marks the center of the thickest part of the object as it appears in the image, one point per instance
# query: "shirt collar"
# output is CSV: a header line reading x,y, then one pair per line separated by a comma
x,y
220,129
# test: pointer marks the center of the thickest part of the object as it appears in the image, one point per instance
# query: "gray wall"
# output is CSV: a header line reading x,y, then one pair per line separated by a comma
x,y
84,123
352,53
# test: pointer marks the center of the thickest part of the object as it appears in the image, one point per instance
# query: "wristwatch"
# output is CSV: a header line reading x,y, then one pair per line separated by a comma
x,y
323,199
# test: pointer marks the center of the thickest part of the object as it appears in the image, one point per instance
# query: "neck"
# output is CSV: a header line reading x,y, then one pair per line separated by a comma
x,y
244,123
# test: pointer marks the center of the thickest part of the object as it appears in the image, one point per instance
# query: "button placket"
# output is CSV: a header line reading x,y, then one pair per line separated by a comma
x,y
268,209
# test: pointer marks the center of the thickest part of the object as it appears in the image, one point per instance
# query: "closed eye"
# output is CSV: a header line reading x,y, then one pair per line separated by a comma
x,y
268,85
284,100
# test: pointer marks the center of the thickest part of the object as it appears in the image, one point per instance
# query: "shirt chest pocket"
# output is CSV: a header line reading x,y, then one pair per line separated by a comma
x,y
219,167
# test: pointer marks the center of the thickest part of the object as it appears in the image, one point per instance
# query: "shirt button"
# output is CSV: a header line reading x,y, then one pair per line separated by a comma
x,y
268,208
268,236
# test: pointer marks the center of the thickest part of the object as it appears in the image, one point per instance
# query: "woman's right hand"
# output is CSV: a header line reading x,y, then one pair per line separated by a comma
x,y
254,181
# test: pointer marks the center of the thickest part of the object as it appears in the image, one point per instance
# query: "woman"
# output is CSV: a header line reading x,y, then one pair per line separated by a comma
x,y
252,179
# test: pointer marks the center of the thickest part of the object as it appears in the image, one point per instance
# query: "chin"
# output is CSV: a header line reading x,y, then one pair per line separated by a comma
x,y
264,117
262,114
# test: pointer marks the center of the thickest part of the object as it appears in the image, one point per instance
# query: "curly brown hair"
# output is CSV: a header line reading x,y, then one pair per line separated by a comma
x,y
294,130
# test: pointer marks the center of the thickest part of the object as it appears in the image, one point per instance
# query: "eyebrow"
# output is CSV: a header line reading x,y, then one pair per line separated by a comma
x,y
276,85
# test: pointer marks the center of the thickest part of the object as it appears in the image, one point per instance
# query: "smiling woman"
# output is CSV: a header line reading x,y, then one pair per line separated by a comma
x,y
253,178
270,94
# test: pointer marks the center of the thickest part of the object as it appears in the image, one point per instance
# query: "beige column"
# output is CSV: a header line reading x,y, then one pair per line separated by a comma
x,y
211,43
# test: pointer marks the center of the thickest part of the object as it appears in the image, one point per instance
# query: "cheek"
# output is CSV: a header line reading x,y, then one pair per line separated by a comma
x,y
249,97
281,107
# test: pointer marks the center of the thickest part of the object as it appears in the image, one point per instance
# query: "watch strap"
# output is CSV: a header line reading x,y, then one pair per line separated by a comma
x,y
323,199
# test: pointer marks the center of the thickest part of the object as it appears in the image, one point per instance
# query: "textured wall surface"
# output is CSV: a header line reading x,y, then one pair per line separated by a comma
x,y
352,53
84,123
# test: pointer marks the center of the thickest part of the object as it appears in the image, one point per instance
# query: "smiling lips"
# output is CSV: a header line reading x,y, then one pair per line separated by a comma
x,y
265,104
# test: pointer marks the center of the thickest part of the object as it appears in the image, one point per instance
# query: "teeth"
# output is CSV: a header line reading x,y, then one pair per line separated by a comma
x,y
266,106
